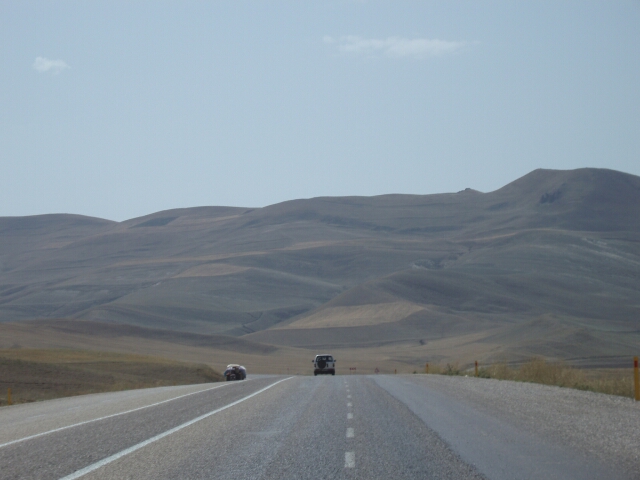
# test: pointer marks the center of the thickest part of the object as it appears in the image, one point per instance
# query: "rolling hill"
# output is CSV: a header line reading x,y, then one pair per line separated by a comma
x,y
547,265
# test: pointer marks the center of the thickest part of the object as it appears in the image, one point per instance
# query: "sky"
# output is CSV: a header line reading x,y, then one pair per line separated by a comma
x,y
118,109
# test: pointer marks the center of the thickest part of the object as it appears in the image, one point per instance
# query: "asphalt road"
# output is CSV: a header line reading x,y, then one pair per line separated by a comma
x,y
270,427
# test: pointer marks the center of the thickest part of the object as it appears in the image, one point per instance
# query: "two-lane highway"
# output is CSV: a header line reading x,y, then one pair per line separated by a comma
x,y
287,427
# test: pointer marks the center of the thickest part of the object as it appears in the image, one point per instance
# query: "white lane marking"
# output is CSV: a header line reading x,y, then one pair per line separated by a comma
x,y
349,404
129,450
350,432
349,416
24,439
348,396
349,459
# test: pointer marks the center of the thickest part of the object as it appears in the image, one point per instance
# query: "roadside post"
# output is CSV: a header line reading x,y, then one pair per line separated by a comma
x,y
636,379
10,402
476,368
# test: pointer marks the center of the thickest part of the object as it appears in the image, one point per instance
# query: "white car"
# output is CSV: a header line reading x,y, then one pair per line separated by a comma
x,y
324,365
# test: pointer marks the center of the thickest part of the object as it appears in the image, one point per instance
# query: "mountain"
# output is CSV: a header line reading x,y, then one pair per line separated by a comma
x,y
403,276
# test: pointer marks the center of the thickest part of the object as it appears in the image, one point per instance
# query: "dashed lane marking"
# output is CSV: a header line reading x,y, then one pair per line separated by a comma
x,y
348,396
349,416
349,459
350,432
349,404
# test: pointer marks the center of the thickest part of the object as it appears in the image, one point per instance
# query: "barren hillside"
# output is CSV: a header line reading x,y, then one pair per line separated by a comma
x,y
549,265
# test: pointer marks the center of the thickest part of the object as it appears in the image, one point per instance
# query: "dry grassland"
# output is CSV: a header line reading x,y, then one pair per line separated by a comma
x,y
44,374
212,270
357,316
537,370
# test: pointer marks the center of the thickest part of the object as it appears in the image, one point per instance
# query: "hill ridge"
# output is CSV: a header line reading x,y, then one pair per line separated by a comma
x,y
563,243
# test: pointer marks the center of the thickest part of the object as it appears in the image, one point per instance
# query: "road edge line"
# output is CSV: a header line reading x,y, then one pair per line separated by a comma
x,y
127,451
24,439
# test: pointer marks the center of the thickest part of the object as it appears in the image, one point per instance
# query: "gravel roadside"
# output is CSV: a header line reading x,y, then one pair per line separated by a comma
x,y
606,427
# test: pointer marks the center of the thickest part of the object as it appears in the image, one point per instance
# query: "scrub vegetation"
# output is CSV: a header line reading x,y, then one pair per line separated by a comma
x,y
538,370
43,374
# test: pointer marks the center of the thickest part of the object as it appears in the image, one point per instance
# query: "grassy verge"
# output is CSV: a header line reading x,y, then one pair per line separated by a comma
x,y
35,375
537,370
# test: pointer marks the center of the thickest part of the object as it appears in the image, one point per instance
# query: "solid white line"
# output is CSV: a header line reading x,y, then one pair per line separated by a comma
x,y
129,450
349,459
24,439
350,433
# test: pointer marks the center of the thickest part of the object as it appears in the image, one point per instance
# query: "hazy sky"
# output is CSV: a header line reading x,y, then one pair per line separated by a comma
x,y
120,109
